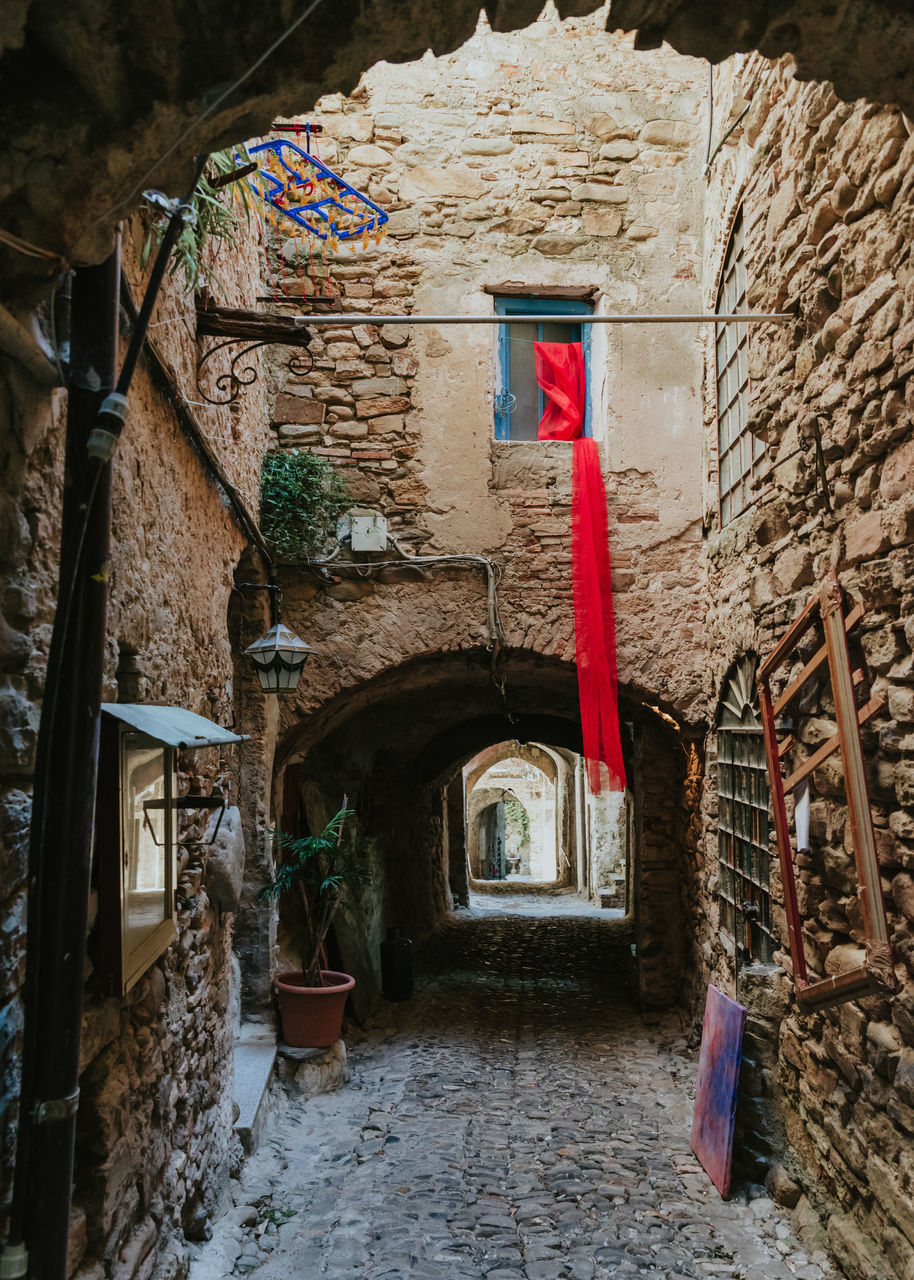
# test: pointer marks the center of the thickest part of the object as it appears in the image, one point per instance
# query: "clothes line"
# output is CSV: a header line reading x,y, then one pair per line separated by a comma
x,y
543,318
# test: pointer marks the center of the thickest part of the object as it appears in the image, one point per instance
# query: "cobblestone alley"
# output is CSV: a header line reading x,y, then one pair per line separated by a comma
x,y
517,1120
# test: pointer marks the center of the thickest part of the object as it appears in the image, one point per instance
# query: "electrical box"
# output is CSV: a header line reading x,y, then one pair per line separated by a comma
x,y
369,533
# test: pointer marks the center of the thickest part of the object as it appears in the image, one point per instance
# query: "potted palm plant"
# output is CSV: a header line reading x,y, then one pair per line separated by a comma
x,y
313,875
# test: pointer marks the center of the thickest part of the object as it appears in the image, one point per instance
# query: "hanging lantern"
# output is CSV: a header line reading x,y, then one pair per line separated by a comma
x,y
279,658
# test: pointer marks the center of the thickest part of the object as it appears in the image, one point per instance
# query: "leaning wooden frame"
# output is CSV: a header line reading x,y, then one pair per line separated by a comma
x,y
876,975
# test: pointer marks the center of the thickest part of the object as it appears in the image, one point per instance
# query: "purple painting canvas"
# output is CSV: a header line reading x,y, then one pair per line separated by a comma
x,y
715,1095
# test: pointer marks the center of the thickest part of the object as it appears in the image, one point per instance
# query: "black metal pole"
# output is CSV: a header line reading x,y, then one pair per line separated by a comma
x,y
64,797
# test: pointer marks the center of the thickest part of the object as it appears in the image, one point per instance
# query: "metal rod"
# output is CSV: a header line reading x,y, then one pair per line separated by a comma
x,y
342,319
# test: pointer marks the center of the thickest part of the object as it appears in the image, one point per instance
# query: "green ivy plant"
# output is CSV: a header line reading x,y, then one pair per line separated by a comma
x,y
217,220
315,872
515,811
301,499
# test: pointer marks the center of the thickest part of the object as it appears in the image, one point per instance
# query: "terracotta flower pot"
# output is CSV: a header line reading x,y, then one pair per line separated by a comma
x,y
312,1017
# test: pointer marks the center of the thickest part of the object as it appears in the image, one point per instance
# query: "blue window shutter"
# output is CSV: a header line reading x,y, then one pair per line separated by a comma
x,y
517,306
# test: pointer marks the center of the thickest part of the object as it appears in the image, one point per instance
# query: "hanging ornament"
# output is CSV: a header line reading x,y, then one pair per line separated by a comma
x,y
296,186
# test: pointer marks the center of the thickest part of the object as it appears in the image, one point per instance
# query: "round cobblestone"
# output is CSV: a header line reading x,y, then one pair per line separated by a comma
x,y
519,1119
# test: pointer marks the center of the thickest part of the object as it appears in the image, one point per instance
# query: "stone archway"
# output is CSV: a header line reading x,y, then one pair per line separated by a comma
x,y
397,747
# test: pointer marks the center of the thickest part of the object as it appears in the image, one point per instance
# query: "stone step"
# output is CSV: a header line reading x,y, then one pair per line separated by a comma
x,y
255,1056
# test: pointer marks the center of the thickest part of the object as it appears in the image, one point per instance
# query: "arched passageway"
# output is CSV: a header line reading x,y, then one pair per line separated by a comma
x,y
401,750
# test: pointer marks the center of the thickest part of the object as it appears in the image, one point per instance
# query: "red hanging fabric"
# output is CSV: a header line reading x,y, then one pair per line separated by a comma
x,y
560,375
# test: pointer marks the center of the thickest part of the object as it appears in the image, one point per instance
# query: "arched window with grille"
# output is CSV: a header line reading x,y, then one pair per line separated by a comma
x,y
738,450
742,821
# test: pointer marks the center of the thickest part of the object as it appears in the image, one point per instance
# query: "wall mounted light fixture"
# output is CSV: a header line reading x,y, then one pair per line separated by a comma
x,y
279,656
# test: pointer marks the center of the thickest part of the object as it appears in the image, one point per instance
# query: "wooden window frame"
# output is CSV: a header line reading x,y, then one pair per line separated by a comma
x,y
121,965
876,975
732,385
524,304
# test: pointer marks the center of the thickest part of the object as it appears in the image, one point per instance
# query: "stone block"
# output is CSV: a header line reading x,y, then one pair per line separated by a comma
x,y
864,537
387,423
76,1240
543,125
393,335
486,146
599,222
887,1186
349,430
289,433
898,473
619,149
368,156
873,297
641,231
456,181
854,1250
349,127
18,727
517,226
302,410
381,405
225,863
379,387
667,133
555,246
605,192
604,126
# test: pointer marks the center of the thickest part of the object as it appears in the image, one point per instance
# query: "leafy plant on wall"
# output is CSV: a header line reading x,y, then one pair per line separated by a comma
x,y
301,499
219,218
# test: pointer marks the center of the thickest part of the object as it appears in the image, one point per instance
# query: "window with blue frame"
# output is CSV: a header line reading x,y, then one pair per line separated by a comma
x,y
518,399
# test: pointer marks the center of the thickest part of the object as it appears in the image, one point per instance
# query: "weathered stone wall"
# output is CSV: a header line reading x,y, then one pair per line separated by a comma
x,y
827,193
155,1109
550,158
501,164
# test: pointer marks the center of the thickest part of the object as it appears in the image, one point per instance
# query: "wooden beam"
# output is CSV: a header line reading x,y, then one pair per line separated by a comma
x,y
575,292
252,326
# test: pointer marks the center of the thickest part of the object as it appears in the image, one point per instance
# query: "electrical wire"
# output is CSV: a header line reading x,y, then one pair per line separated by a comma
x,y
138,186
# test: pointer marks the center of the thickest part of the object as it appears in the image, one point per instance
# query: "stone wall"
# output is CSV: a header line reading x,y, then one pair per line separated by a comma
x,y
545,159
500,165
155,1109
826,191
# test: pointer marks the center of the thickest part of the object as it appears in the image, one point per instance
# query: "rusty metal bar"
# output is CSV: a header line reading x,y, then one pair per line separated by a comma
x,y
797,628
816,661
866,712
340,319
840,988
858,801
782,831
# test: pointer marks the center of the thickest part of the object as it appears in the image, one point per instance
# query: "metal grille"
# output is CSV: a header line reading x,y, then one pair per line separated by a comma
x,y
745,903
737,449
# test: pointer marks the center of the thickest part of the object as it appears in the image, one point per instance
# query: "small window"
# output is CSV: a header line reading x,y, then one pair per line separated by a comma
x,y
136,831
518,398
738,450
742,817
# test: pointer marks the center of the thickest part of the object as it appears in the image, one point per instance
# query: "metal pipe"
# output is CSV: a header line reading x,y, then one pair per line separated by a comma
x,y
342,319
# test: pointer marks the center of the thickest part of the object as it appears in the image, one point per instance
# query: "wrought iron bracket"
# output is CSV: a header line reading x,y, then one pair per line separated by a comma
x,y
253,329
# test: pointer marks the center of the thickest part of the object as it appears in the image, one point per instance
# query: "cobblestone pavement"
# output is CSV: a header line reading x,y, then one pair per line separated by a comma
x,y
517,1120
537,903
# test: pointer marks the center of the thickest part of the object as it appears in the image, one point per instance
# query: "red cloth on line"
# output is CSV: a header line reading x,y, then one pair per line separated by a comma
x,y
560,375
